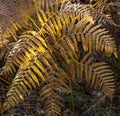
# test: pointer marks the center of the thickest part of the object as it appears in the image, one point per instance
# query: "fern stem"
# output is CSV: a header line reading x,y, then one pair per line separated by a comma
x,y
73,107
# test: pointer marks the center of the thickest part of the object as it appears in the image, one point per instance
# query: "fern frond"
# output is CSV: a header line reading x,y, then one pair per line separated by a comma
x,y
92,38
45,10
30,76
80,9
56,31
13,13
22,52
98,72
92,15
50,96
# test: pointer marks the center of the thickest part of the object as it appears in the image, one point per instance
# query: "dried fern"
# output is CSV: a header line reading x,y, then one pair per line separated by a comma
x,y
51,52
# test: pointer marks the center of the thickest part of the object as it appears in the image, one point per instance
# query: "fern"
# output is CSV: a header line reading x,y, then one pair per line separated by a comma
x,y
51,52
37,43
98,73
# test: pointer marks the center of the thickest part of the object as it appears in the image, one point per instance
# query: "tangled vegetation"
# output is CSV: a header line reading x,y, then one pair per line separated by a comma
x,y
68,51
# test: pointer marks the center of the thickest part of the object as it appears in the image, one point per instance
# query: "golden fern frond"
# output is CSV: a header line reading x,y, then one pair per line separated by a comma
x,y
44,11
105,21
97,72
92,38
22,52
30,76
60,20
90,31
9,67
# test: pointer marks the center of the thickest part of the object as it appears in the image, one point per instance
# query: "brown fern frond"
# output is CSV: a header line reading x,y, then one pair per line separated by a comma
x,y
50,96
93,14
13,13
80,9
